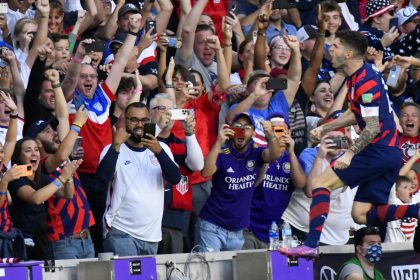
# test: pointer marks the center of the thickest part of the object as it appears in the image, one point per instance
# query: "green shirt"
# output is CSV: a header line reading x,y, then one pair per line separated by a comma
x,y
355,260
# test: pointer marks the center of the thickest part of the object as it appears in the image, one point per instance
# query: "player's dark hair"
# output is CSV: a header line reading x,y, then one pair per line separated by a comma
x,y
354,40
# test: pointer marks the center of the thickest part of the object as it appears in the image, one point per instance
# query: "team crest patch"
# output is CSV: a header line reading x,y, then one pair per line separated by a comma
x,y
367,98
286,167
250,165
98,106
182,186
153,160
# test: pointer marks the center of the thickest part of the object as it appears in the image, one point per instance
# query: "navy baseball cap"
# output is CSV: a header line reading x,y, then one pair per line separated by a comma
x,y
244,115
39,126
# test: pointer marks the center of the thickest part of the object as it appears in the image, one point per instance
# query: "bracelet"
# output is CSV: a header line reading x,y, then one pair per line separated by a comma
x,y
75,129
3,193
138,91
77,60
133,33
169,86
58,184
13,116
56,85
261,33
228,45
78,125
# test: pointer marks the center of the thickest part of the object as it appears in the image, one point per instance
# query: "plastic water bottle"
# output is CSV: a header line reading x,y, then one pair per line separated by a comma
x,y
286,234
273,233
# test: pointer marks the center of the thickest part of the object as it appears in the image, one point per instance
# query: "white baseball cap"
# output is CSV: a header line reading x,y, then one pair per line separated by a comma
x,y
406,14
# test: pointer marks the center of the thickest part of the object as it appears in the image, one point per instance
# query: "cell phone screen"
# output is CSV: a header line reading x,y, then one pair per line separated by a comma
x,y
149,128
149,25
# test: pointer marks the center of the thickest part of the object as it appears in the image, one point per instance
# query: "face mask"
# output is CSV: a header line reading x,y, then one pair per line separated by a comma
x,y
374,253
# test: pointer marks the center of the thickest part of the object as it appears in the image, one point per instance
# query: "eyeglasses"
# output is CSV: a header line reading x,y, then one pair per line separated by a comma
x,y
136,121
90,76
160,108
247,127
281,48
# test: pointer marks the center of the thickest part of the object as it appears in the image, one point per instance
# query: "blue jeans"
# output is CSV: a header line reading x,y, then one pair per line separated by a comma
x,y
72,248
123,244
213,238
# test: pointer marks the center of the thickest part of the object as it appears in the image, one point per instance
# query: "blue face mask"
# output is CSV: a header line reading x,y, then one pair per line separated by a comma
x,y
374,253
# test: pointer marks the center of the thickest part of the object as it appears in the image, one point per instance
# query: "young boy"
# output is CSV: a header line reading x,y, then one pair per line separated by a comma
x,y
401,230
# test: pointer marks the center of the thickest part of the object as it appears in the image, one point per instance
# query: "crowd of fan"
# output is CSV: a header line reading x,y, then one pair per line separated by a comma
x,y
80,82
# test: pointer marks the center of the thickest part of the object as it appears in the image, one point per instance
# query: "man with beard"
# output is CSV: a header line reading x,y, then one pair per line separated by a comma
x,y
68,219
235,168
136,165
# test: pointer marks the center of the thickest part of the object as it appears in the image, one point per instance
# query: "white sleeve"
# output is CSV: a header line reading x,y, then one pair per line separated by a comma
x,y
195,158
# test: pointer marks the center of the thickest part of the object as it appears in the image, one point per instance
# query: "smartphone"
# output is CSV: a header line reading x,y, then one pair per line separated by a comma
x,y
191,78
393,76
254,36
280,130
281,4
149,25
393,22
77,144
231,10
276,84
179,114
239,132
3,63
4,7
78,101
26,170
149,128
174,42
97,46
341,142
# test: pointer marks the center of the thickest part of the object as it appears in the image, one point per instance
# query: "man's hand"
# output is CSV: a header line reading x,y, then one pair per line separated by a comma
x,y
152,143
164,119
81,15
344,161
119,137
213,42
227,29
69,169
170,71
264,15
81,49
327,145
147,39
288,141
260,89
268,129
8,55
52,75
316,133
134,23
322,20
81,116
224,134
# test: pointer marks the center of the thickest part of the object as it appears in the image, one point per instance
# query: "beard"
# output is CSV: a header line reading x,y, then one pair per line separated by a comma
x,y
49,147
136,138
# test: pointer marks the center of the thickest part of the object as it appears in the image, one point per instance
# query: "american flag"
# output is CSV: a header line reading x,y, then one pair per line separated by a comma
x,y
408,226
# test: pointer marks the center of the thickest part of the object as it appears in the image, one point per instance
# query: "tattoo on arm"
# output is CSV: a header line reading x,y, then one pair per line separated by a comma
x,y
367,135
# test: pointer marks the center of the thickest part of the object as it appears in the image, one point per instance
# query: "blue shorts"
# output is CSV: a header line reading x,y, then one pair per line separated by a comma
x,y
374,170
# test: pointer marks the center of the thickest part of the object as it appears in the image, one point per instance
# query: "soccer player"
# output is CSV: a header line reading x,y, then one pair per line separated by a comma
x,y
372,161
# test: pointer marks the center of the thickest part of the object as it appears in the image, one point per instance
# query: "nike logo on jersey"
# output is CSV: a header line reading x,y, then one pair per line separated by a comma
x,y
127,162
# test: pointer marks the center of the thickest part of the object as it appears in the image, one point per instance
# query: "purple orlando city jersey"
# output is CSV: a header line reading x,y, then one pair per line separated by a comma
x,y
233,185
368,97
271,197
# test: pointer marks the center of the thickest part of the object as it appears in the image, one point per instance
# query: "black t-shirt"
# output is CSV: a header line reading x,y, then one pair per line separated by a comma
x,y
26,217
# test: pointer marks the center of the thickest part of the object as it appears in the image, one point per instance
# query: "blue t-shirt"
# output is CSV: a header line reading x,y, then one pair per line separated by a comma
x,y
233,185
271,197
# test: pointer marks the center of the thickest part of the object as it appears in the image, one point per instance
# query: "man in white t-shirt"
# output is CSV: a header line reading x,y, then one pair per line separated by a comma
x,y
339,221
135,165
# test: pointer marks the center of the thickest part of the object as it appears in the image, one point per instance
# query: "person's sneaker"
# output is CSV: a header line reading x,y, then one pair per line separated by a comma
x,y
300,252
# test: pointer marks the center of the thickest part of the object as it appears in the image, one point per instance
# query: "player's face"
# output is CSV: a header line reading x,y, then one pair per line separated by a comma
x,y
337,53
404,192
409,120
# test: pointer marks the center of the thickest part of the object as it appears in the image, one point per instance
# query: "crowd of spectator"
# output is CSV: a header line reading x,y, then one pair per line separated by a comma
x,y
151,127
